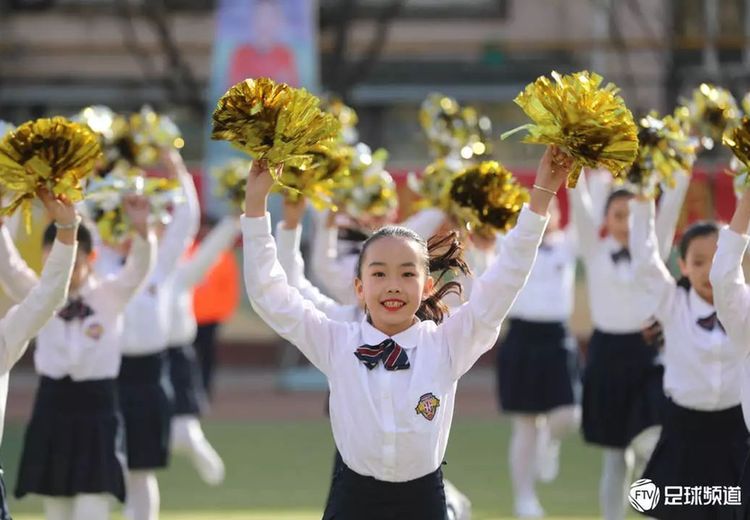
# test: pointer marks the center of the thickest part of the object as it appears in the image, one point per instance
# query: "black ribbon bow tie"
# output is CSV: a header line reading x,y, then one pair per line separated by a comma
x,y
710,322
623,255
393,356
75,309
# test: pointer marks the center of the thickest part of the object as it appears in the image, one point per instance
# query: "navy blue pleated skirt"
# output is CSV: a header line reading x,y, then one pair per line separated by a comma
x,y
696,448
74,442
146,398
535,368
622,389
189,395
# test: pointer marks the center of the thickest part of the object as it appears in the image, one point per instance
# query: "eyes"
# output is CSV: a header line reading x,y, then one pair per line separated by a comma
x,y
405,274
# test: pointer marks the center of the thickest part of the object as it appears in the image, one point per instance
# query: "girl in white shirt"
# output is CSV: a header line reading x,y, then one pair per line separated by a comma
x,y
73,453
22,321
618,403
392,376
144,382
288,236
704,440
731,296
536,367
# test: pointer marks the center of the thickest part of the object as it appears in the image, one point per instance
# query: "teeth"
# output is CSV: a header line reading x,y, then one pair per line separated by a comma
x,y
393,304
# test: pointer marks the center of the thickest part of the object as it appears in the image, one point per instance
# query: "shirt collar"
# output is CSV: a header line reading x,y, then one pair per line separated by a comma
x,y
699,308
613,246
406,339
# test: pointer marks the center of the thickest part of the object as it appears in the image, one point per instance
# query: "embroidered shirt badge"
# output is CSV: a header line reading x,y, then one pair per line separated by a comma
x,y
427,406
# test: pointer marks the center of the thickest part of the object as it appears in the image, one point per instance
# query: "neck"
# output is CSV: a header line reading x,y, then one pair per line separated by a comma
x,y
391,329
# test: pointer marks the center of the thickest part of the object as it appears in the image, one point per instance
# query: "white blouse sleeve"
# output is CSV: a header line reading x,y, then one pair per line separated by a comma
x,y
290,258
16,277
654,286
731,293
23,321
474,328
281,306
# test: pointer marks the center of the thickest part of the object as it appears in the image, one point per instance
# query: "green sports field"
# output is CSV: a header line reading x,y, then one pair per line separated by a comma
x,y
280,470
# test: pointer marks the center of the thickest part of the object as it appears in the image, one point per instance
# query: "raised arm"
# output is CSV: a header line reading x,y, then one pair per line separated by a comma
x,y
335,274
280,305
731,293
183,228
473,329
654,287
23,321
669,213
290,258
583,218
16,277
220,238
142,257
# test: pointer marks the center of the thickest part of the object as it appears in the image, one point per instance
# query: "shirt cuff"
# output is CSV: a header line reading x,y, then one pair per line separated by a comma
x,y
732,244
531,221
256,226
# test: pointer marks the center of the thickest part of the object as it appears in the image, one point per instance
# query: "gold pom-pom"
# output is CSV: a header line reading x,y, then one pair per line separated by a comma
x,y
664,150
232,179
368,190
345,115
104,198
711,111
738,140
589,122
485,196
273,121
315,177
151,133
453,130
431,184
746,104
56,154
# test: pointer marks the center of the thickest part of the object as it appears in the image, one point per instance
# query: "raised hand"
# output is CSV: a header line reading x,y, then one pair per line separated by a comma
x,y
59,208
138,209
259,183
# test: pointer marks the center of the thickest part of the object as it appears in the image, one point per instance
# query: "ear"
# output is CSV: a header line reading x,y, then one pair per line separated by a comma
x,y
683,266
429,286
359,290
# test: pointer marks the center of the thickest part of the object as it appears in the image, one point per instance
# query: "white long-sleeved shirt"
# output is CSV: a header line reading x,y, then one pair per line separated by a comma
x,y
87,348
290,258
375,414
611,285
183,326
732,302
146,330
333,269
24,320
702,369
548,293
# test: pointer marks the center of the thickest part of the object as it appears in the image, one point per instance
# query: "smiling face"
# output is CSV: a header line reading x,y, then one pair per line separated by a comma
x,y
392,282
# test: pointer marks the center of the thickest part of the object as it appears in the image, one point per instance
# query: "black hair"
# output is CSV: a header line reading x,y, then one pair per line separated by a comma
x,y
85,240
699,229
442,254
620,193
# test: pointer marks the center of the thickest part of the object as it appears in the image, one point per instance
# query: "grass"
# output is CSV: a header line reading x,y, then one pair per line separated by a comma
x,y
281,471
